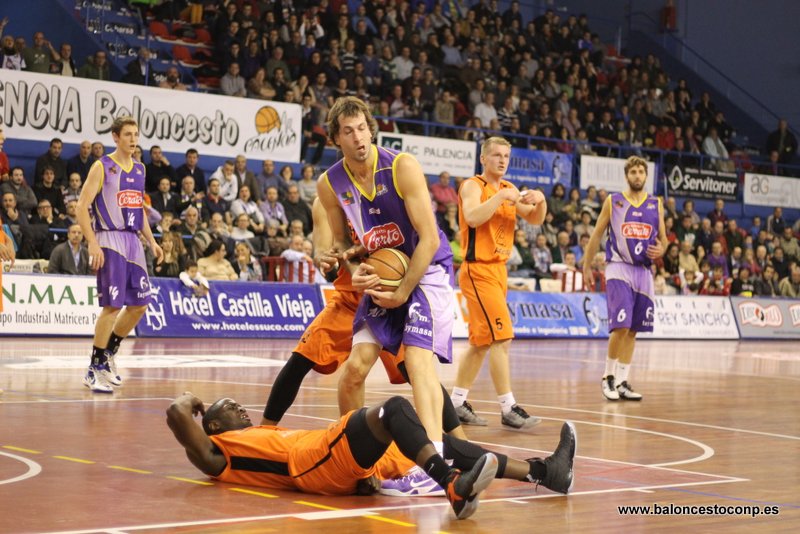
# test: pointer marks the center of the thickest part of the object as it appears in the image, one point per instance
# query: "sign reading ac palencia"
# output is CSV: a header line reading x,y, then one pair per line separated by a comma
x,y
40,106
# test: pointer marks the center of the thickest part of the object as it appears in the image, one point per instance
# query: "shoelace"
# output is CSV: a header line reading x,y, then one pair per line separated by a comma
x,y
517,409
467,406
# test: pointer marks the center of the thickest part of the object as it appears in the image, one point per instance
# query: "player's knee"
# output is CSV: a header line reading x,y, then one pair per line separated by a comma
x,y
354,372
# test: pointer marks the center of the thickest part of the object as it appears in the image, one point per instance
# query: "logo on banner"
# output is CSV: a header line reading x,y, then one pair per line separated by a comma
x,y
636,230
756,315
274,131
393,143
384,236
129,198
675,178
154,315
594,317
794,311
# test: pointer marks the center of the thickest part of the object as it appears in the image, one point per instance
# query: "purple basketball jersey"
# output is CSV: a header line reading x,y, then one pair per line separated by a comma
x,y
118,205
380,219
632,229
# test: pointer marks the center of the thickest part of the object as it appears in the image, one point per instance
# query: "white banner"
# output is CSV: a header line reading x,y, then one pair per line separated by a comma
x,y
40,107
434,154
49,304
768,190
609,174
685,317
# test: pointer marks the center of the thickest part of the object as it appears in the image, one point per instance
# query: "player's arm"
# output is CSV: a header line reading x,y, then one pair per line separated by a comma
x,y
658,250
413,187
337,221
199,448
532,206
151,241
6,246
92,186
476,212
594,242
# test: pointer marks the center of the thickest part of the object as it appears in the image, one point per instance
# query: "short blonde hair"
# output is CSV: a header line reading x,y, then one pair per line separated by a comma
x,y
496,140
635,161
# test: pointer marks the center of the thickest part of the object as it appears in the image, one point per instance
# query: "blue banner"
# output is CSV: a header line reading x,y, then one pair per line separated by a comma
x,y
535,168
558,314
230,309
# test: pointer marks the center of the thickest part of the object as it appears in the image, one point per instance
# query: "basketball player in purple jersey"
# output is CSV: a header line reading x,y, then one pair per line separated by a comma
x,y
384,195
111,215
636,237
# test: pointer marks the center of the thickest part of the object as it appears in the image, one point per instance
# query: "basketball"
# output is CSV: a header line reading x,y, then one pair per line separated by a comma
x,y
390,266
267,119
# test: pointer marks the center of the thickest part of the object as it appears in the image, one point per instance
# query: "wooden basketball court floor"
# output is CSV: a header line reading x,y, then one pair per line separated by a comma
x,y
719,426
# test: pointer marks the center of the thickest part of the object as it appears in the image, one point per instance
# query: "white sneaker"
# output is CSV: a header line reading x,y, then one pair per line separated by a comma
x,y
95,379
112,375
609,391
626,392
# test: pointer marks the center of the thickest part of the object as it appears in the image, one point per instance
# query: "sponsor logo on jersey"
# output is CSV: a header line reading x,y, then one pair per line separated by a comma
x,y
384,236
129,198
636,230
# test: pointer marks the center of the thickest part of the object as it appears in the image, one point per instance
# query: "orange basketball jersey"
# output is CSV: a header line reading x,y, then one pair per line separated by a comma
x,y
493,240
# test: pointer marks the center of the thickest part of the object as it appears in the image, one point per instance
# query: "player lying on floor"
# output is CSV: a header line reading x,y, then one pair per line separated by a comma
x,y
383,441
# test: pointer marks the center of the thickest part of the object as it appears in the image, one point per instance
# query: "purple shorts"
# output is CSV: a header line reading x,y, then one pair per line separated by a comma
x,y
425,320
629,294
123,280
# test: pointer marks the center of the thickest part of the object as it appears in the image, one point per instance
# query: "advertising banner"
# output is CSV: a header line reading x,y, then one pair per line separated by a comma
x,y
230,309
702,183
692,317
55,305
40,107
767,318
609,174
434,154
558,314
774,191
535,168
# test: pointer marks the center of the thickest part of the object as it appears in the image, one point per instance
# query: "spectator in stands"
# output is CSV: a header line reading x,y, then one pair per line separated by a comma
x,y
310,120
784,142
97,150
158,168
96,67
38,57
717,258
734,237
174,256
704,236
215,202
192,279
53,159
767,284
190,168
443,193
232,83
11,213
64,64
82,161
173,80
245,176
273,211
259,87
25,198
228,180
307,185
241,229
556,203
48,190
789,286
247,206
295,257
139,71
772,166
717,284
775,222
585,226
245,265
485,111
718,213
266,178
719,237
686,260
780,263
213,265
163,200
789,244
73,188
71,212
187,196
688,209
10,57
296,209
715,148
50,228
71,256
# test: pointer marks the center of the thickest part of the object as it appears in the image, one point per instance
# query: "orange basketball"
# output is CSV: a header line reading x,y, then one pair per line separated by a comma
x,y
267,119
390,266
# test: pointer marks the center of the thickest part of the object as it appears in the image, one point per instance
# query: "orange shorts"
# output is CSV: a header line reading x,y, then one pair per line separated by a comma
x,y
323,463
329,338
485,287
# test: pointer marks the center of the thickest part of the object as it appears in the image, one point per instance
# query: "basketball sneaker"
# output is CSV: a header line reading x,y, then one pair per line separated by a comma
x,y
467,415
95,379
518,419
625,392
609,391
463,488
559,476
415,483
112,376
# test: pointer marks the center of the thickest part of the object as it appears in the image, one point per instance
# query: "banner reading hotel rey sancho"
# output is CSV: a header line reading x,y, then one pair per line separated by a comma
x,y
40,107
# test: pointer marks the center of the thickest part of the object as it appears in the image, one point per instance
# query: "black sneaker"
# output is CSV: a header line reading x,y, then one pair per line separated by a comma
x,y
518,419
467,415
463,488
559,464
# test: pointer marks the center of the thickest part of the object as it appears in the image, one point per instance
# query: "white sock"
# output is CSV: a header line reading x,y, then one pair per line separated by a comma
x,y
506,402
622,372
439,445
611,367
459,396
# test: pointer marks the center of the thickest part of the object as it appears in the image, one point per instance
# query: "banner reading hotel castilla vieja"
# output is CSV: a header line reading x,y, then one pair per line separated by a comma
x,y
39,107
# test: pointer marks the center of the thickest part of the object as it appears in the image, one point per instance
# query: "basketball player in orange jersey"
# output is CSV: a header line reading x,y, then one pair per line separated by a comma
x,y
488,206
356,447
6,247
